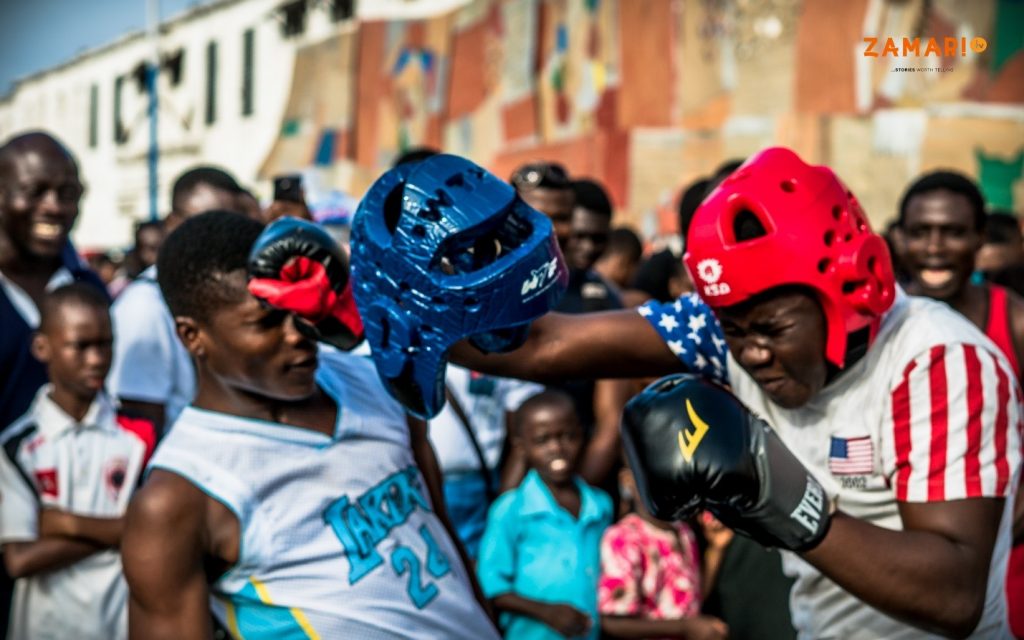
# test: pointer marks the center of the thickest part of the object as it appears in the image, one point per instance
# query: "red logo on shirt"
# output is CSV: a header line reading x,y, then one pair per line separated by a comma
x,y
34,443
46,479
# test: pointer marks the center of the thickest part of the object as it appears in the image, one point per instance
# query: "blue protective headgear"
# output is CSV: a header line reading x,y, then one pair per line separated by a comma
x,y
442,250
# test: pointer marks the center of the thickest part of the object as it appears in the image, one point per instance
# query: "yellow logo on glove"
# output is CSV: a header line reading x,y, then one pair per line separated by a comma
x,y
690,440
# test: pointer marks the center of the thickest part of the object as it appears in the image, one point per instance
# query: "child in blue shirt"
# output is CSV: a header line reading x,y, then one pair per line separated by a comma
x,y
540,556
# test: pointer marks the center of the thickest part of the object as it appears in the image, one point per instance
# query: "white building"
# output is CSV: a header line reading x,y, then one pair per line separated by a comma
x,y
225,76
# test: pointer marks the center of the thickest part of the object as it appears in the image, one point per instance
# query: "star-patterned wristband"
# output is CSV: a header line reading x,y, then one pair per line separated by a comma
x,y
691,331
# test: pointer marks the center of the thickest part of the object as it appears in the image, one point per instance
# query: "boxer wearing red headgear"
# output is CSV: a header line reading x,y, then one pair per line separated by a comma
x,y
875,434
805,214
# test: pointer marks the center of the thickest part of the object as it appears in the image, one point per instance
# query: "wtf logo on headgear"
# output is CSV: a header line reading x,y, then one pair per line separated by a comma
x,y
540,280
710,271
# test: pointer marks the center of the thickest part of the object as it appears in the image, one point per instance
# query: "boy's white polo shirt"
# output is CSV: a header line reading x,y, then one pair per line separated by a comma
x,y
88,468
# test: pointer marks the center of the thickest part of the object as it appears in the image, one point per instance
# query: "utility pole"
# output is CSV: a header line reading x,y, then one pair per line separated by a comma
x,y
152,73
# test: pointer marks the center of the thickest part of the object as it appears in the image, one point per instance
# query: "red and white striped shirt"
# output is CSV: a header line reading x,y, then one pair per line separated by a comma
x,y
954,412
931,413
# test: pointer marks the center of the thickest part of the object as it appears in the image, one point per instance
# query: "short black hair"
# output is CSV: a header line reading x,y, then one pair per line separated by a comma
x,y
1002,227
102,257
541,175
1011,277
30,141
952,181
84,294
624,241
590,195
196,176
196,256
414,155
723,171
148,224
691,198
546,398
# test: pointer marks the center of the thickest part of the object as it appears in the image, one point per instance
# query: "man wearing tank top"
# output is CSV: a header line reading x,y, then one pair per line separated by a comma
x,y
942,218
292,496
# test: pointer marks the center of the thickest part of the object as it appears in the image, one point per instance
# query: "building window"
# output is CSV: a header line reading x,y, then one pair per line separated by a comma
x,y
294,14
211,82
120,135
172,64
342,10
94,115
140,74
248,55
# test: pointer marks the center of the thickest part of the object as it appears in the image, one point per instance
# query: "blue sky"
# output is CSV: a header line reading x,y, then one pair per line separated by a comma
x,y
38,34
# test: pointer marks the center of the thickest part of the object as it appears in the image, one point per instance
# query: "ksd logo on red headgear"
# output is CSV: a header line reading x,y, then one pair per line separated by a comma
x,y
710,271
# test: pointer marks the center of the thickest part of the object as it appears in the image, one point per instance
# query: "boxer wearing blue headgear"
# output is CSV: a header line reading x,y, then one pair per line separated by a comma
x,y
439,236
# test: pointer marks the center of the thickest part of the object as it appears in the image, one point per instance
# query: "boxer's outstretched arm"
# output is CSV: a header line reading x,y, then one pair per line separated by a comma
x,y
610,344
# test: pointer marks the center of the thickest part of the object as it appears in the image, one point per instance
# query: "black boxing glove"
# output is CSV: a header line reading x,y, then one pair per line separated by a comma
x,y
692,445
296,266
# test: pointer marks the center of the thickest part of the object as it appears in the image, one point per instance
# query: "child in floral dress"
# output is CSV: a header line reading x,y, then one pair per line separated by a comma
x,y
650,584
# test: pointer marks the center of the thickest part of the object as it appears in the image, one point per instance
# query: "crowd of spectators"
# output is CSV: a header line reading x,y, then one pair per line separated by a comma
x,y
93,376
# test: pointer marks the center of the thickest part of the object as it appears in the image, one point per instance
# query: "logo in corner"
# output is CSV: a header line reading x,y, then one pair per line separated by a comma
x,y
690,440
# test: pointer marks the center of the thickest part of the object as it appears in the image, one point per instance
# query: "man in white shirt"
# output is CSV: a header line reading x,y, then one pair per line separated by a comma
x,y
152,373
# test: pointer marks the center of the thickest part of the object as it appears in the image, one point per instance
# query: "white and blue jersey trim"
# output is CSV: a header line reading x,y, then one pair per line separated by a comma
x,y
691,331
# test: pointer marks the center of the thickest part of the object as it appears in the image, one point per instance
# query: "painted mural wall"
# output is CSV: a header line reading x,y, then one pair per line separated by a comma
x,y
647,95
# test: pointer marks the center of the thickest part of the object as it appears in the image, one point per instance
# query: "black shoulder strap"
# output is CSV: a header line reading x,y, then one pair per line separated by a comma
x,y
464,419
11,448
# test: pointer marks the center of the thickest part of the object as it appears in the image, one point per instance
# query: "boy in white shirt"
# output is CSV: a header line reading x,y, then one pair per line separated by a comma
x,y
67,469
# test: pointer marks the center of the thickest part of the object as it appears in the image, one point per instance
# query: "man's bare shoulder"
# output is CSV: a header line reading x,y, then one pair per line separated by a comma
x,y
184,519
167,499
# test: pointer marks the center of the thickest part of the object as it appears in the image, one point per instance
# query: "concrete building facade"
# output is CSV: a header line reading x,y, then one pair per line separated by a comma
x,y
338,88
225,74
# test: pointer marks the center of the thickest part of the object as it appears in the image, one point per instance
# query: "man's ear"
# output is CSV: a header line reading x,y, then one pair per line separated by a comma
x,y
41,348
190,335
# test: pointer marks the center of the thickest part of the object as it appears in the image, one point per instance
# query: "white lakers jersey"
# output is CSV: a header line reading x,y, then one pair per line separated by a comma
x,y
338,535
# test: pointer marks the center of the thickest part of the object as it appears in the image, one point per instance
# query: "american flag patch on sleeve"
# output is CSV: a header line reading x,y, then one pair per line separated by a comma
x,y
851,456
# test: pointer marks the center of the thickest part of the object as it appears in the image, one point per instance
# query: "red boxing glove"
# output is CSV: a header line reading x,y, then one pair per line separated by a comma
x,y
302,288
297,267
347,313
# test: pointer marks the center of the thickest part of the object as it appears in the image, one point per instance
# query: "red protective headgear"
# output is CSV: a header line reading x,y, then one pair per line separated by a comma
x,y
815,235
